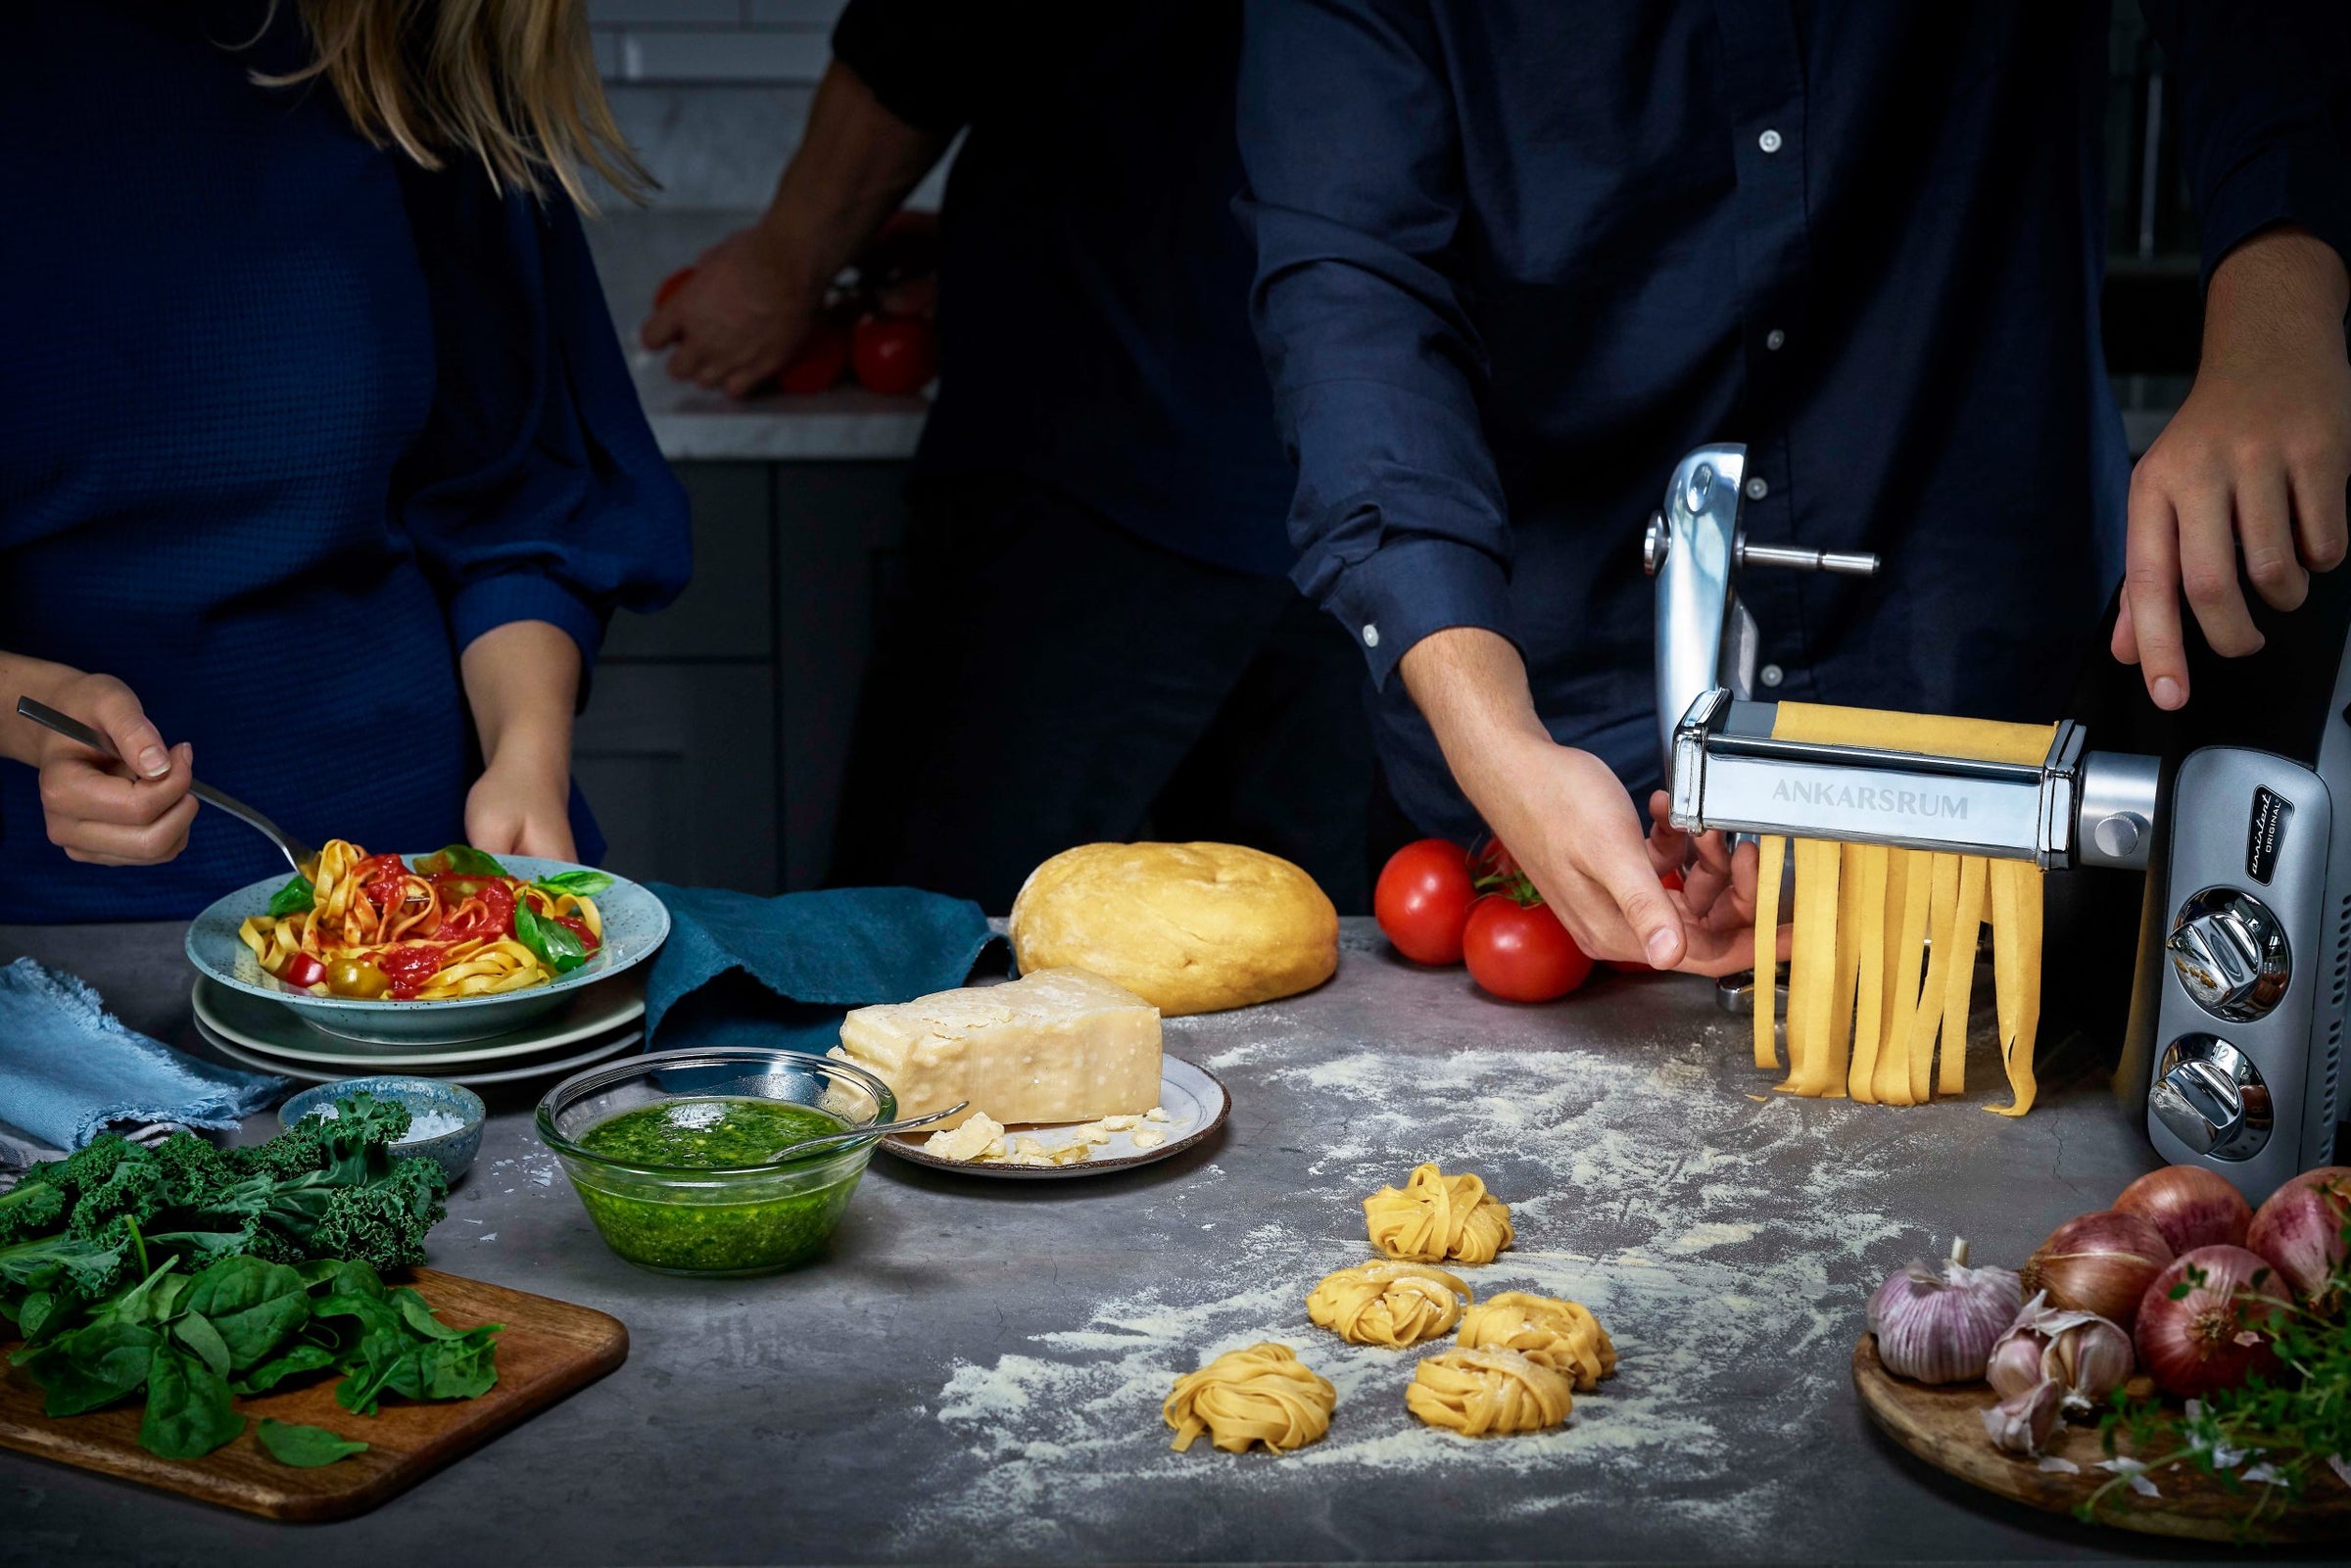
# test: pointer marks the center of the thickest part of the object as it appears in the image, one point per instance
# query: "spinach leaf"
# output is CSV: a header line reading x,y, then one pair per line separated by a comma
x,y
578,884
555,945
198,1335
418,1313
463,859
153,1299
33,1311
292,899
296,1359
306,1446
189,1412
254,1304
93,1367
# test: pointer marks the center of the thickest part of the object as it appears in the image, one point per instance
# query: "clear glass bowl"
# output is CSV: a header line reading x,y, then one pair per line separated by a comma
x,y
743,1220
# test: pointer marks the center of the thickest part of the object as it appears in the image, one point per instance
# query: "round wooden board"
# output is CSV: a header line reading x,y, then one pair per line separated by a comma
x,y
1944,1427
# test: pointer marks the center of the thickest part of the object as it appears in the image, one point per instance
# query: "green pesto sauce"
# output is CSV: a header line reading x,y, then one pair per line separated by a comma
x,y
746,1226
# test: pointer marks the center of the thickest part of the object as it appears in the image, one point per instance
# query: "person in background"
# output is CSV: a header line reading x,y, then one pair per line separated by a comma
x,y
318,444
1517,257
1093,638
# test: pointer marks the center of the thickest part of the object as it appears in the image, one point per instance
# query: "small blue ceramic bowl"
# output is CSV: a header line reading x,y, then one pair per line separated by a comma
x,y
453,1152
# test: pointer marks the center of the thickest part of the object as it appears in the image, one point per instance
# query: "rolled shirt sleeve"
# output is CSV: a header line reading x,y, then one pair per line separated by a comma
x,y
2265,116
1348,140
536,491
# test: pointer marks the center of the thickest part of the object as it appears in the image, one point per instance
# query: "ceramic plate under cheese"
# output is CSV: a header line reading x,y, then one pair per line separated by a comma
x,y
1195,1101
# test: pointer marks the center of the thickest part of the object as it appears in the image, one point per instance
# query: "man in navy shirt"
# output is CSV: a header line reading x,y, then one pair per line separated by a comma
x,y
1516,257
1094,638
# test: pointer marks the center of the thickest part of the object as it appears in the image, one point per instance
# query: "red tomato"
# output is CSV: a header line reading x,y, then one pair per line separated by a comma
x,y
1422,900
409,966
579,928
893,354
1491,863
670,285
1633,966
1520,952
492,913
822,359
302,969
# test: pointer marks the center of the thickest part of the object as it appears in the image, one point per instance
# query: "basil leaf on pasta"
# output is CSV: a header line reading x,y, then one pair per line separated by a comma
x,y
553,944
292,899
463,859
578,884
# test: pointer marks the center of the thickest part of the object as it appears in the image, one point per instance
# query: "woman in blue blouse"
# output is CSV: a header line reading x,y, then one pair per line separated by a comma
x,y
319,466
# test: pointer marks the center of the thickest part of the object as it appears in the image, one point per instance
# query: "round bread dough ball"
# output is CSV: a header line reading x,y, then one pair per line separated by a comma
x,y
1487,1393
1547,1330
1261,1395
1433,1217
1187,928
1394,1305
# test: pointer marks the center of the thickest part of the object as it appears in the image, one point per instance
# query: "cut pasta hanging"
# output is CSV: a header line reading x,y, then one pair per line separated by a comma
x,y
1882,964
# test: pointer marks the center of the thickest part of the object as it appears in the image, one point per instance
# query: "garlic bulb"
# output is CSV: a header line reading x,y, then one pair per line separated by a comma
x,y
2088,1356
2023,1422
1939,1327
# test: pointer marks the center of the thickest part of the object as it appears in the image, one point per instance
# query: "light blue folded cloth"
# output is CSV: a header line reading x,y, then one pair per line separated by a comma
x,y
70,1071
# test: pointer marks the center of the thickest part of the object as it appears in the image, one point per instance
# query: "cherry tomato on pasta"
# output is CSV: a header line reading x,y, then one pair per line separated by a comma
x,y
1422,900
1520,952
356,977
302,969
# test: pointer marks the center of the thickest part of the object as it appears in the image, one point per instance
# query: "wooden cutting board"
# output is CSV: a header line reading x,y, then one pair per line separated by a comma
x,y
548,1348
1944,1427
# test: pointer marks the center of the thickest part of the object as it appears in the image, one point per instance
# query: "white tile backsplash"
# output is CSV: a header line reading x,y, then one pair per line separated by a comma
x,y
733,54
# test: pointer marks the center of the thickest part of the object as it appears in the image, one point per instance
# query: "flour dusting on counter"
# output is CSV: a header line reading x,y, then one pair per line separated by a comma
x,y
1725,1261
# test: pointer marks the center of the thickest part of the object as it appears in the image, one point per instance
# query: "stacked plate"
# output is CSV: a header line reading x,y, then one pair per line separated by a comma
x,y
597,1022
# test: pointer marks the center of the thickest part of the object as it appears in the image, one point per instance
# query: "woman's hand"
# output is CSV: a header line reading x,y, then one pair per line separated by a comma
x,y
522,680
99,810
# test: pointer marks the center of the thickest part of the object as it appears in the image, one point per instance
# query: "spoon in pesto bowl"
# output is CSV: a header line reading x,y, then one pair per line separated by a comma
x,y
880,1130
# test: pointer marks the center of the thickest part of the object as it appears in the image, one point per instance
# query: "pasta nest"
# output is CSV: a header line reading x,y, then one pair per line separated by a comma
x,y
1434,1216
1487,1393
1396,1305
1260,1395
1548,1331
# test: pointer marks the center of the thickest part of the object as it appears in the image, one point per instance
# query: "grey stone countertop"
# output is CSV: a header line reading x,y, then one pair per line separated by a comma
x,y
974,1374
635,250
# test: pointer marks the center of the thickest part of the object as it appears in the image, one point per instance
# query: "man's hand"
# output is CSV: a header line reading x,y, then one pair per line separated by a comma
x,y
101,811
2254,465
741,316
1568,821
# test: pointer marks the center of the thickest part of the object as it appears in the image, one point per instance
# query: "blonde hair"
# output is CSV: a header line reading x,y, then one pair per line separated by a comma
x,y
510,82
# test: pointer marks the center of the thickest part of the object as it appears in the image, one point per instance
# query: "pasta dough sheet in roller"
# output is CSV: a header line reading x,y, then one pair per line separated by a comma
x,y
1882,965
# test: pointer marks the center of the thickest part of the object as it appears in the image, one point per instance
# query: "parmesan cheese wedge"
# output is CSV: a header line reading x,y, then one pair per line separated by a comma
x,y
1059,1045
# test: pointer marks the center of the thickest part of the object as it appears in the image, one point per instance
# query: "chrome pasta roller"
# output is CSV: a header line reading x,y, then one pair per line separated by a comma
x,y
2215,834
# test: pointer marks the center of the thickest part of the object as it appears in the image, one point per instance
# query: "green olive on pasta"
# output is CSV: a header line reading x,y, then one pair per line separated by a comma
x,y
354,977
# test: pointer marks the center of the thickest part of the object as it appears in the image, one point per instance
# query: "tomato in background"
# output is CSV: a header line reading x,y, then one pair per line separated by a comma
x,y
821,362
670,286
893,354
1520,952
1491,862
1422,900
1633,966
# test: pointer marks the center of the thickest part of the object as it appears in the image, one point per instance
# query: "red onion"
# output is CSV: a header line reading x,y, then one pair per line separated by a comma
x,y
2210,1338
2099,1263
2300,1229
2192,1205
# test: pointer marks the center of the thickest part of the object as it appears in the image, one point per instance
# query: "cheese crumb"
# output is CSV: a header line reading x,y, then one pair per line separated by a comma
x,y
1119,1124
1157,1113
1147,1138
977,1140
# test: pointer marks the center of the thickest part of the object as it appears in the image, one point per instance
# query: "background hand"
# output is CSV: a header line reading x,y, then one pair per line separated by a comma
x,y
2252,467
739,320
110,813
512,811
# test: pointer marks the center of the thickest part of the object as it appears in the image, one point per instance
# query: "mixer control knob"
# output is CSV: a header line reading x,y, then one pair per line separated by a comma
x,y
2212,1098
2230,954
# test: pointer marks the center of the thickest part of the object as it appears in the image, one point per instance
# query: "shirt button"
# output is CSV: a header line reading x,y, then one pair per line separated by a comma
x,y
1756,489
1769,141
1371,636
1774,339
1771,674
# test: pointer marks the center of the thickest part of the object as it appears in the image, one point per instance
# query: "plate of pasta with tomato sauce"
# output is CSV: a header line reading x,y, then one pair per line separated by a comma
x,y
425,949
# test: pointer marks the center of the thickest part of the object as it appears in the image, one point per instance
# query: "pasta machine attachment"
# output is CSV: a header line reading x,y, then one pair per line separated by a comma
x,y
2222,833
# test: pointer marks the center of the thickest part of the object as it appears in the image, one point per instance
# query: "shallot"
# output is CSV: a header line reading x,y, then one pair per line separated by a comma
x,y
2088,1356
1937,1326
2300,1229
2192,1205
2099,1263
2211,1337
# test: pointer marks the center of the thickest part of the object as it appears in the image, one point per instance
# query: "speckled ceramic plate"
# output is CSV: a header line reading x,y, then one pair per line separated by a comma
x,y
635,923
1195,1100
475,1075
265,1028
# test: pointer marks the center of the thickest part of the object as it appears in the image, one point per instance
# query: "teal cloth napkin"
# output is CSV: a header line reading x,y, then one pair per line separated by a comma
x,y
740,970
70,1070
